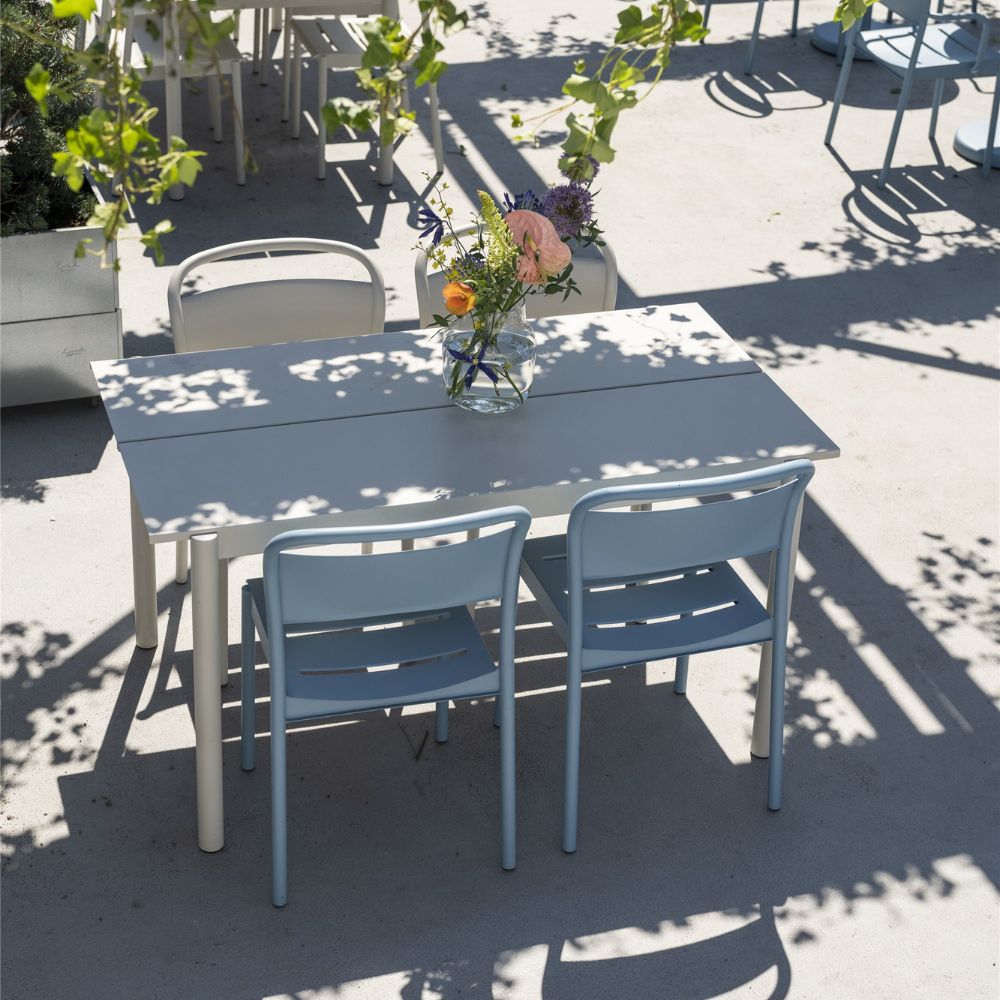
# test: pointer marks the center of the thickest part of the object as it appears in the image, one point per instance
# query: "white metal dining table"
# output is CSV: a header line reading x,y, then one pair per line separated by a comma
x,y
229,448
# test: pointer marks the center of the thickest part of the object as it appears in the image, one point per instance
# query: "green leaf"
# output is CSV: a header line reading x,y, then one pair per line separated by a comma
x,y
69,8
188,169
38,83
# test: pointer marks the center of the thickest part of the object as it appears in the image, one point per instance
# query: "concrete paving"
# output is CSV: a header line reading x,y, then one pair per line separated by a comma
x,y
877,311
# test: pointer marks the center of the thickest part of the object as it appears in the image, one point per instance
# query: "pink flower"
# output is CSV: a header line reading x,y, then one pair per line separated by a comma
x,y
544,254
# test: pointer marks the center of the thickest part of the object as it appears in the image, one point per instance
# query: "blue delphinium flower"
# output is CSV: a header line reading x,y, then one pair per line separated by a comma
x,y
526,200
432,223
471,265
476,365
569,207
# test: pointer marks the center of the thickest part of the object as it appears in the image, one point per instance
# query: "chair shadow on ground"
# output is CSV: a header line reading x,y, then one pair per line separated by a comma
x,y
394,839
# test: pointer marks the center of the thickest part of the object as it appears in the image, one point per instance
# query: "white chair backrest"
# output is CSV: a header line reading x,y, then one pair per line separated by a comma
x,y
279,310
597,278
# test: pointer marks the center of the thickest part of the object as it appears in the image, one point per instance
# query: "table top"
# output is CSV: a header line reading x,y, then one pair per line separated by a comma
x,y
370,436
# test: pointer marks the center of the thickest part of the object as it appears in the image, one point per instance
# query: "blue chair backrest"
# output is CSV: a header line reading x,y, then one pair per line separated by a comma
x,y
916,11
622,544
315,588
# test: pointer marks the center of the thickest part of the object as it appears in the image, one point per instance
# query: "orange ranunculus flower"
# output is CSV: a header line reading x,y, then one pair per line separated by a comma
x,y
459,298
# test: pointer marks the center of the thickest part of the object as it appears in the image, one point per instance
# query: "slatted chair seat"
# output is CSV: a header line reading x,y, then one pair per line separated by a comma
x,y
342,672
947,51
694,609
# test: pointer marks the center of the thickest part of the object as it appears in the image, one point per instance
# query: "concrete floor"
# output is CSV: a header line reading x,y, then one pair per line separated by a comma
x,y
877,311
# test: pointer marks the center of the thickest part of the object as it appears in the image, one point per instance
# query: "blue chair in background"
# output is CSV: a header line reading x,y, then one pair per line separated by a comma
x,y
919,50
627,586
752,47
322,619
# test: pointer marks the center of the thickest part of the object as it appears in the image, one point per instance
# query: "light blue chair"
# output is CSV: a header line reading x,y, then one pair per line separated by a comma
x,y
629,586
919,50
752,47
319,616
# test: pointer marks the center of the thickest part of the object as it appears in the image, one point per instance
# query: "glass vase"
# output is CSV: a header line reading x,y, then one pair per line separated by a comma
x,y
489,361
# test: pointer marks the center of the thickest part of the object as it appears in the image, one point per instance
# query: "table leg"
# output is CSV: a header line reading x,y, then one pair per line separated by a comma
x,y
172,90
205,606
760,739
143,580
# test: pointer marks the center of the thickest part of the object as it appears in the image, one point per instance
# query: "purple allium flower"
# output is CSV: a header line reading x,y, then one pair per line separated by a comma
x,y
569,207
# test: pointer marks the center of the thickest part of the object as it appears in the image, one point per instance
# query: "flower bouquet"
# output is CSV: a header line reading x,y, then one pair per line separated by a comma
x,y
515,248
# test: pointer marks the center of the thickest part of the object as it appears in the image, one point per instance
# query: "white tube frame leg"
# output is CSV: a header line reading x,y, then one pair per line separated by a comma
x,y
205,590
223,621
761,736
143,580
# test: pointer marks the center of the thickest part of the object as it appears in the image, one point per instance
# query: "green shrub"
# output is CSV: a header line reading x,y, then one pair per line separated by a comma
x,y
31,199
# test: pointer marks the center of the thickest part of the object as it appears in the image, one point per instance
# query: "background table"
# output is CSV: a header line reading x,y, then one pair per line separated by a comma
x,y
230,448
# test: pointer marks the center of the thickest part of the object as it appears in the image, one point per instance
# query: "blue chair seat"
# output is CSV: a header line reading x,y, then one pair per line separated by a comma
x,y
718,609
330,672
948,51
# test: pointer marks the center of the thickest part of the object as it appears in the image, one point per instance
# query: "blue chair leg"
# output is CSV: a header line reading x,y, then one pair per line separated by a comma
x,y
845,72
572,789
508,774
991,130
279,812
776,741
751,51
681,675
935,107
247,686
441,722
704,17
795,19
904,99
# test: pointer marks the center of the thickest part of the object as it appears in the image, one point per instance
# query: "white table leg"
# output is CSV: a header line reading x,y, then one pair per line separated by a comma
x,y
172,90
760,739
205,580
143,580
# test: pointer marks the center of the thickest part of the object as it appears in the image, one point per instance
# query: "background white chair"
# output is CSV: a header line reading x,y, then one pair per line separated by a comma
x,y
597,277
272,311
143,50
752,47
336,41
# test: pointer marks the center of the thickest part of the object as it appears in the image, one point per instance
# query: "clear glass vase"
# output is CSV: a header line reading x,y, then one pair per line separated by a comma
x,y
489,361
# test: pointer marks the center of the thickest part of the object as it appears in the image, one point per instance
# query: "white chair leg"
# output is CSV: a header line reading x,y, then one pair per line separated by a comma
x,y
215,102
265,46
256,41
436,138
296,87
239,136
904,99
320,121
181,562
935,107
286,66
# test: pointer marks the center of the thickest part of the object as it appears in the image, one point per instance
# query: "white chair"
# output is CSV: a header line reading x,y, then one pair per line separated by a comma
x,y
272,311
597,278
755,34
919,50
335,40
143,50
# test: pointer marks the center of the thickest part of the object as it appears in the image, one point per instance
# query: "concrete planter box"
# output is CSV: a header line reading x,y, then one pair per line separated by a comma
x,y
58,314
